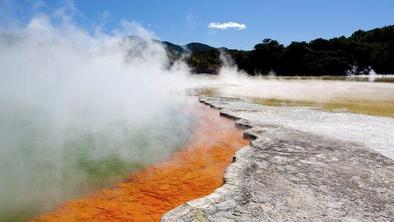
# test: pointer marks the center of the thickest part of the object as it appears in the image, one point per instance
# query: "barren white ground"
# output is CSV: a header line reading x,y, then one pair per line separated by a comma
x,y
303,165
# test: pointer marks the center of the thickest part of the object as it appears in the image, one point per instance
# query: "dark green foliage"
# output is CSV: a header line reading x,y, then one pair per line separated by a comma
x,y
362,50
266,56
205,62
196,47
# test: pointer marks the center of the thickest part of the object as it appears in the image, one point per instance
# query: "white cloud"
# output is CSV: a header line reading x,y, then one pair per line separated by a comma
x,y
227,25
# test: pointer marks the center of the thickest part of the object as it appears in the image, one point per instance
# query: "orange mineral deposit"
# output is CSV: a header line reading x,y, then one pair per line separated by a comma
x,y
194,171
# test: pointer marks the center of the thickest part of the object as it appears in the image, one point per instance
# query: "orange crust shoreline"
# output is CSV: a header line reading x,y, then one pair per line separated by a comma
x,y
194,171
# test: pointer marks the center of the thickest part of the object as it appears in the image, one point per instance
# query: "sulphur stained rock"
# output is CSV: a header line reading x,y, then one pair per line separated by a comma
x,y
303,173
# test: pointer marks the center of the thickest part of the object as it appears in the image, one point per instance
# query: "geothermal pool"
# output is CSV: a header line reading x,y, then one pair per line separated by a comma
x,y
79,170
188,144
194,171
43,165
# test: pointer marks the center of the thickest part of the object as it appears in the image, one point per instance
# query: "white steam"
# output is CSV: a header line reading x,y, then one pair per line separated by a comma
x,y
78,109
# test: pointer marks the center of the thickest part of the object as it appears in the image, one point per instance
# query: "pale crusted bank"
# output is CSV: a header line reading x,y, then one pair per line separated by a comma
x,y
297,168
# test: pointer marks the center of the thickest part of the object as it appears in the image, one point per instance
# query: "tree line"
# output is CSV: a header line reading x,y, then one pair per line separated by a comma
x,y
357,54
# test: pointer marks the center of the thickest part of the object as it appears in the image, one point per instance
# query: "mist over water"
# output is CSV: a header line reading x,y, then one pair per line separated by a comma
x,y
79,110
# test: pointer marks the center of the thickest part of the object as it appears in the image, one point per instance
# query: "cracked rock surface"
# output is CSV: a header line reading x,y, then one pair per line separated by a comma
x,y
304,173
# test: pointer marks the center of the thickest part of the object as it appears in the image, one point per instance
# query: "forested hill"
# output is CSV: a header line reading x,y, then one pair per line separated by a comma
x,y
358,53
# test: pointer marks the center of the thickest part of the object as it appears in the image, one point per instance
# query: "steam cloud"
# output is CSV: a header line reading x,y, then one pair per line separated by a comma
x,y
80,109
227,25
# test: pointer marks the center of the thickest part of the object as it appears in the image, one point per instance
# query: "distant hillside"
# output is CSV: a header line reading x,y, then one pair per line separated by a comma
x,y
196,47
193,47
357,54
200,57
172,47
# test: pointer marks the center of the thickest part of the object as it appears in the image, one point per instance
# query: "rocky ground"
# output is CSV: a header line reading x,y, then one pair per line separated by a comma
x,y
301,165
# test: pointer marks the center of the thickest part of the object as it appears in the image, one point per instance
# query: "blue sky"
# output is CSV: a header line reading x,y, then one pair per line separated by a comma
x,y
184,21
